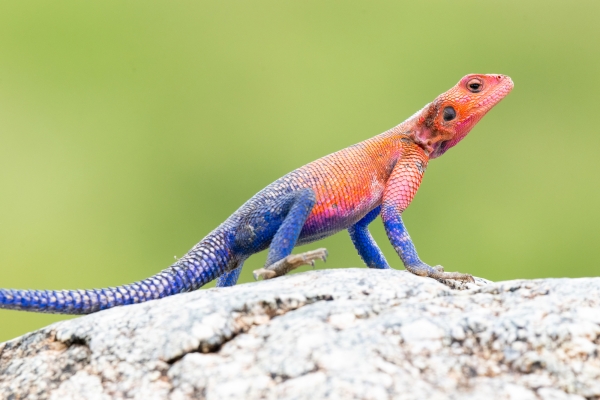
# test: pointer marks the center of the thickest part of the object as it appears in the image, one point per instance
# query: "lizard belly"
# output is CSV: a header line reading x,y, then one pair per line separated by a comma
x,y
338,210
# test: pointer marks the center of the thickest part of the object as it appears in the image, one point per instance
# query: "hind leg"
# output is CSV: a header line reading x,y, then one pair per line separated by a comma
x,y
364,242
280,261
230,278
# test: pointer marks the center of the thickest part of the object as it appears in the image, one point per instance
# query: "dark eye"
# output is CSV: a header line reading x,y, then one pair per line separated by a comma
x,y
449,114
475,85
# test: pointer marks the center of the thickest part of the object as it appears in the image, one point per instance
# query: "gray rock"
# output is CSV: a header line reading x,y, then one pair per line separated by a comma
x,y
340,334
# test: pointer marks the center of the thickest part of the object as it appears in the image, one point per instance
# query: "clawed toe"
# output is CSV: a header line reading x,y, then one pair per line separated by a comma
x,y
456,276
439,274
263,273
290,263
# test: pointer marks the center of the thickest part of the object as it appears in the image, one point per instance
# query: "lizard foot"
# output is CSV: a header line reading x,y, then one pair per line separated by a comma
x,y
289,263
439,274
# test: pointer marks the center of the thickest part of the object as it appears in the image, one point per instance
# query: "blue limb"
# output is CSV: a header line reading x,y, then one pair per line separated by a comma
x,y
230,278
280,259
400,239
365,244
302,203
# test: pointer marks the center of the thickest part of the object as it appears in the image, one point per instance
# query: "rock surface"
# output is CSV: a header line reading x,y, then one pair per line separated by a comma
x,y
341,334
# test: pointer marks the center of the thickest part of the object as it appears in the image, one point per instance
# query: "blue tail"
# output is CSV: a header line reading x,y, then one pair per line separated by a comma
x,y
206,261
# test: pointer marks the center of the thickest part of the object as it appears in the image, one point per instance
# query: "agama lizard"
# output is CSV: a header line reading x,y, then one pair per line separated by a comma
x,y
344,190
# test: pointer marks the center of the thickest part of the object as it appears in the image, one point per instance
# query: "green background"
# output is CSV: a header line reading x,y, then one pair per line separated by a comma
x,y
130,129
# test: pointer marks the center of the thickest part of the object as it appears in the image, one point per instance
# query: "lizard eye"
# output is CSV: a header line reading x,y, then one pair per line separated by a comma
x,y
449,114
475,85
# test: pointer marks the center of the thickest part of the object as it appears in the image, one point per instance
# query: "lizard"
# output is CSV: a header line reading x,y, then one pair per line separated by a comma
x,y
347,189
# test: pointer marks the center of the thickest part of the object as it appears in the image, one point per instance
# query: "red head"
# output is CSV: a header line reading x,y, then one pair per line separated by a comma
x,y
447,120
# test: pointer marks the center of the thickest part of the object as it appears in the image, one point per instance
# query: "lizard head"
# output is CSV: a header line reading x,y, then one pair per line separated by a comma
x,y
449,118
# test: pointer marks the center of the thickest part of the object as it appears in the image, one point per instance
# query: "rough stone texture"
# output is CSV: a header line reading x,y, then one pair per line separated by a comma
x,y
341,334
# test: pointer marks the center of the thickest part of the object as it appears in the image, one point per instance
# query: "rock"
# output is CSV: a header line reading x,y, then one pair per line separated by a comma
x,y
342,334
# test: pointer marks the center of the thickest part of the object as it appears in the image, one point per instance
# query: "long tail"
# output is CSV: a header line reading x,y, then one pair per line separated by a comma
x,y
203,263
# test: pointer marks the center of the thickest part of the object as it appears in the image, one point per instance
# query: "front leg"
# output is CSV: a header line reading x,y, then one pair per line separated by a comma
x,y
399,191
365,244
405,248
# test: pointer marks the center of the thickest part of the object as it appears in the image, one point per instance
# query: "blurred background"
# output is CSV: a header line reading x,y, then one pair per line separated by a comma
x,y
129,130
